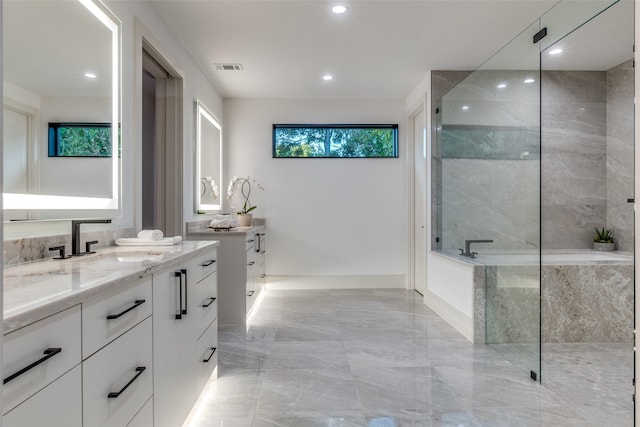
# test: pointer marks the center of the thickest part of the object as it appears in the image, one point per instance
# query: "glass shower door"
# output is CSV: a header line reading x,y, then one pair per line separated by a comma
x,y
488,149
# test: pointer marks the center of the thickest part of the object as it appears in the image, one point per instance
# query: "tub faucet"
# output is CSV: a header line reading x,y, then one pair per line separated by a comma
x,y
75,232
467,247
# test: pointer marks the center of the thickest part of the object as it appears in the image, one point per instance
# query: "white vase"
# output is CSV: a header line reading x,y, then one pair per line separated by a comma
x,y
245,220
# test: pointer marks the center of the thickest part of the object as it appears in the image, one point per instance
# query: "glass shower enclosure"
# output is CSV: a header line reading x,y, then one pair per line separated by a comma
x,y
530,153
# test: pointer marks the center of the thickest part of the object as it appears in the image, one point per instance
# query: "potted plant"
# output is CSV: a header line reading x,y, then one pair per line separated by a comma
x,y
603,240
245,218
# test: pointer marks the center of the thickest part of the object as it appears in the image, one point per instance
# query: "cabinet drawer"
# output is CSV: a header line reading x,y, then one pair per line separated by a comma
x,y
205,299
203,266
58,405
117,380
54,342
144,418
208,356
107,317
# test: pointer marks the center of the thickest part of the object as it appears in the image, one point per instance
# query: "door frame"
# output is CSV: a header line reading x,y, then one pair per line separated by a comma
x,y
419,106
171,145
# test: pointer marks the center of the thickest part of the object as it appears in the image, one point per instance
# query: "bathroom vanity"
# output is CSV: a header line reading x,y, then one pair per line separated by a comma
x,y
241,273
122,337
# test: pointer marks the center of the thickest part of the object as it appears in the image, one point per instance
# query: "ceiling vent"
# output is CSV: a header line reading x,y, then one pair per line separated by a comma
x,y
228,67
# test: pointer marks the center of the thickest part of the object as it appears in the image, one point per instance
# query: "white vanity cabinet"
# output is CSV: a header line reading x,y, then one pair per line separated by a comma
x,y
241,270
41,367
128,344
185,308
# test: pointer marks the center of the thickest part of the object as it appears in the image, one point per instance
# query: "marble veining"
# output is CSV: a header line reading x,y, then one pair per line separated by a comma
x,y
402,367
39,289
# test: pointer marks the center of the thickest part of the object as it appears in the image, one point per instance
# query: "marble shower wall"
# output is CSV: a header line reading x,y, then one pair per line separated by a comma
x,y
487,162
586,159
574,169
620,155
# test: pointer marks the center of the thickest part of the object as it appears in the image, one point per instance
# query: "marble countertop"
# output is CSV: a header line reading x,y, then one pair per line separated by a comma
x,y
207,232
35,290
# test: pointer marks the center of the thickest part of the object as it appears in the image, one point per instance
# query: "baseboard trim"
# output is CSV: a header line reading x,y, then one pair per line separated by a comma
x,y
336,282
452,315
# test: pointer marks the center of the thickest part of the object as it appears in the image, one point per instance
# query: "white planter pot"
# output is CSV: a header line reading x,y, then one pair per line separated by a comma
x,y
245,220
606,247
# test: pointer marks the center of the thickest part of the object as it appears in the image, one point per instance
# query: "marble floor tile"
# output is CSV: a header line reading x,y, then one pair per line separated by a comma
x,y
381,358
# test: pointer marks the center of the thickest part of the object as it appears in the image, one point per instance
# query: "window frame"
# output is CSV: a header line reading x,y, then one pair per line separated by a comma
x,y
54,142
392,126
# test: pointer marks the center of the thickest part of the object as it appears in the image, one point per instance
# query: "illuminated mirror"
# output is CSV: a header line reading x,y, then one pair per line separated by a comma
x,y
61,84
208,177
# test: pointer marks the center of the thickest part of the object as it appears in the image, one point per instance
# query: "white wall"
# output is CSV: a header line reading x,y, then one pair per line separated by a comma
x,y
325,217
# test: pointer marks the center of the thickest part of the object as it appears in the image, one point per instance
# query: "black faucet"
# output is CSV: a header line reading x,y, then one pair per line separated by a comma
x,y
75,232
467,247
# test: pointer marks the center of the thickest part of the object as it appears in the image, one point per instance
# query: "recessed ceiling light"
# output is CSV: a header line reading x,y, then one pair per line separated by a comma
x,y
465,107
555,51
529,80
327,77
90,75
339,9
501,85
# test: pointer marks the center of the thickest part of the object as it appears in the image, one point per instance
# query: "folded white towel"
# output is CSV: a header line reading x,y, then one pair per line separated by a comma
x,y
136,241
223,221
150,234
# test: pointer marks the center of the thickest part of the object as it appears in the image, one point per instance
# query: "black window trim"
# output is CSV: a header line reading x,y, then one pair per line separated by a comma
x,y
54,144
393,126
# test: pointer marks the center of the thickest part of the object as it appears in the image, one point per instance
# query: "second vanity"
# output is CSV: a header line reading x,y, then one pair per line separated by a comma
x,y
242,272
123,337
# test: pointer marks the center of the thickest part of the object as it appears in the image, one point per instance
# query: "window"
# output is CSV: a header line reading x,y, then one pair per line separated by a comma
x,y
79,139
341,141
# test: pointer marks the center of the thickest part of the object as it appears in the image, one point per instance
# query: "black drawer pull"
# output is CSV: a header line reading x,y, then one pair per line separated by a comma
x,y
250,294
213,351
116,394
251,263
179,314
211,300
186,283
208,263
48,354
136,304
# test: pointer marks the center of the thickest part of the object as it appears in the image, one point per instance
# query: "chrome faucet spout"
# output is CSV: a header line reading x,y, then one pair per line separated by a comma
x,y
75,232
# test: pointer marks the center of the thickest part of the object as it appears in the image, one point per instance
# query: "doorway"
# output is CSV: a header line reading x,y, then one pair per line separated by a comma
x,y
162,164
420,202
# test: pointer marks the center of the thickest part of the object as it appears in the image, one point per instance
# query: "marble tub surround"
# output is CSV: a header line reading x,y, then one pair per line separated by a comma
x,y
381,358
28,249
38,289
587,303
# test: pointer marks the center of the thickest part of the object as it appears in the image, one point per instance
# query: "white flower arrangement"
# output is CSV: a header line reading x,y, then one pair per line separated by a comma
x,y
245,189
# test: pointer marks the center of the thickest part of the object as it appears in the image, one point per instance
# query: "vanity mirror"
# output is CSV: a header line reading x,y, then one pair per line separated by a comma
x,y
60,85
208,160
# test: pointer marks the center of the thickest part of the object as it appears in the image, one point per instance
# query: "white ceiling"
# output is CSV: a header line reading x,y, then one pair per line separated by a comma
x,y
377,49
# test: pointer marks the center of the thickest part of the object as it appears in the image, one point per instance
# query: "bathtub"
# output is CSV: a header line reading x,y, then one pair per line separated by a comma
x,y
584,295
575,257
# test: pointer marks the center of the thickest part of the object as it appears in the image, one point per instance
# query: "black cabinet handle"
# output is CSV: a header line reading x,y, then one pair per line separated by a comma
x,y
136,304
211,300
48,354
259,242
213,351
116,394
179,314
250,294
186,299
251,263
208,263
250,241
262,276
